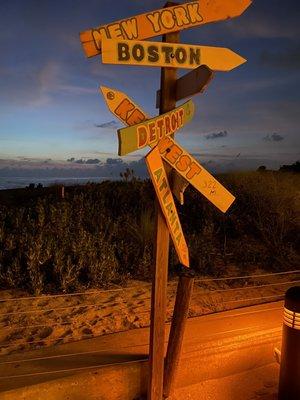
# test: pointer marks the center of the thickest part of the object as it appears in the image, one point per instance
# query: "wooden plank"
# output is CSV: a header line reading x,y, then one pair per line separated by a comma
x,y
149,132
195,174
128,112
161,21
163,191
180,315
195,81
160,270
155,54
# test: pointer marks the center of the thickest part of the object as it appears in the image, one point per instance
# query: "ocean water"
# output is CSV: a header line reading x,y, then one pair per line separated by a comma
x,y
22,182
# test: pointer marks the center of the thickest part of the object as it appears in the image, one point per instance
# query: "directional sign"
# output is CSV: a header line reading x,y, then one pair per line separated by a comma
x,y
195,174
160,182
148,133
129,113
158,22
190,84
156,54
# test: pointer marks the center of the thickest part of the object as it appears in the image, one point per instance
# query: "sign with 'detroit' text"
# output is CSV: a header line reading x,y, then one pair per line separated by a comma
x,y
160,182
195,174
149,132
161,21
155,54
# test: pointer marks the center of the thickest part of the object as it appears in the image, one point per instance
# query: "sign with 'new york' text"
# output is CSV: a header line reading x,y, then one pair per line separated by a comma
x,y
161,21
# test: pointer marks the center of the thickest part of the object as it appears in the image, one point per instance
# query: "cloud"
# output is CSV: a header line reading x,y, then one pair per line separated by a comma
x,y
212,136
89,161
108,125
288,59
275,137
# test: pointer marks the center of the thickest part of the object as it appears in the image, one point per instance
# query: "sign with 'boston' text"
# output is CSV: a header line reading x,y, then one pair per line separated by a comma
x,y
154,54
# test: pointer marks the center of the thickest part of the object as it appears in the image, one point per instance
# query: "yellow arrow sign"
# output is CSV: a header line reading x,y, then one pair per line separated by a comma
x,y
159,22
160,182
127,111
130,114
195,174
155,54
149,132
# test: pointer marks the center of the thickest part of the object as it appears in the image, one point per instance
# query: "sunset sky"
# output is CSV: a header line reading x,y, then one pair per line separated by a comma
x,y
50,107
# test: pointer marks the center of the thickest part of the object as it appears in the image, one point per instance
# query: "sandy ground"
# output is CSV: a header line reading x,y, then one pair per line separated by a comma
x,y
31,323
258,384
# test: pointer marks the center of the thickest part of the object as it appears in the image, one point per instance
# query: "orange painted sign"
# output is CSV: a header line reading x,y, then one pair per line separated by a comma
x,y
149,132
177,55
161,21
160,182
195,174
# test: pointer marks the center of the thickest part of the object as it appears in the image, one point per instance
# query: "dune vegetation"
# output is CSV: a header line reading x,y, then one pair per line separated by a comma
x,y
102,234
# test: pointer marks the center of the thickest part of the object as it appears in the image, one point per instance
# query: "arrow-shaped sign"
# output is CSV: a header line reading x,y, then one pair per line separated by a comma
x,y
156,54
160,182
193,82
161,21
149,132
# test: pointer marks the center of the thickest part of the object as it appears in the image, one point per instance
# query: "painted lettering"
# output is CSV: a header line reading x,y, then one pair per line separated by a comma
x,y
194,56
174,153
123,52
183,163
194,170
154,19
114,31
193,10
153,55
138,52
130,29
181,16
167,19
123,109
135,117
142,136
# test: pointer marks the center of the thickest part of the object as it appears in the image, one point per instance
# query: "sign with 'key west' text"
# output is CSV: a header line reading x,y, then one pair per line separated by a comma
x,y
154,54
161,21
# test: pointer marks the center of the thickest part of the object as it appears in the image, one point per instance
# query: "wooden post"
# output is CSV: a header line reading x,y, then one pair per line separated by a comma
x,y
180,315
160,273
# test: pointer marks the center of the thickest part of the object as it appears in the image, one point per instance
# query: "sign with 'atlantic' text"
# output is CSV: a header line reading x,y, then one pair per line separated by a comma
x,y
160,182
149,132
176,55
161,21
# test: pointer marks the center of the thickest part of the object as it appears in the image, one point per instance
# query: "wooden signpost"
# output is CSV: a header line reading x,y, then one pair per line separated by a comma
x,y
159,22
122,42
176,55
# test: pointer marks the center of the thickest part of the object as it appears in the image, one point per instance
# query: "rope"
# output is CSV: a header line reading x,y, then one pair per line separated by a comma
x,y
252,286
247,276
